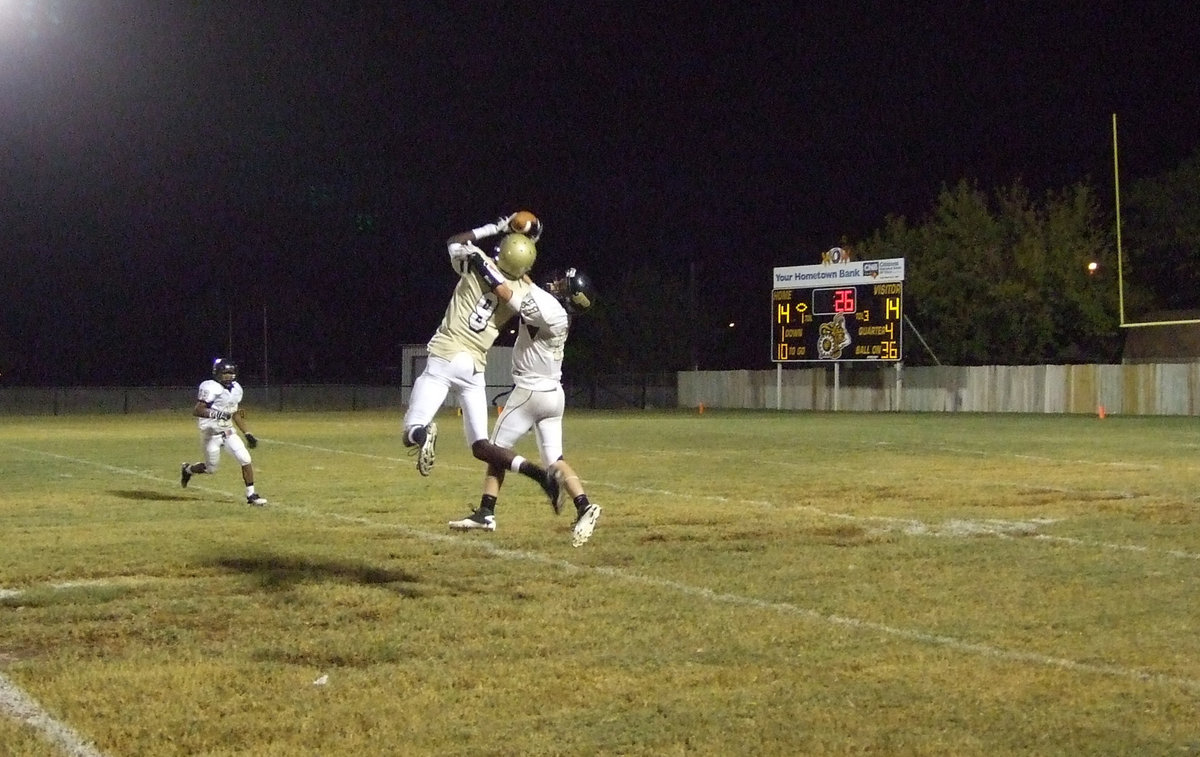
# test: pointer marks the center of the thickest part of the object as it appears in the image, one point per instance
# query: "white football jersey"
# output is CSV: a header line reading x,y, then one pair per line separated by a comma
x,y
538,352
215,395
473,318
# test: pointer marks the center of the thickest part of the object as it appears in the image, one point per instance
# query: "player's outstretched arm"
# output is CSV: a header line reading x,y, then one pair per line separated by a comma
x,y
482,232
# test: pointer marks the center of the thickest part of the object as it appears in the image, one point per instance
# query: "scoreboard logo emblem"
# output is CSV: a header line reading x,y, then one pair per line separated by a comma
x,y
833,338
835,255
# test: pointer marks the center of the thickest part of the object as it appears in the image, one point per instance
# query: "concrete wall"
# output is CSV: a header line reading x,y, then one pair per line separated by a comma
x,y
1143,389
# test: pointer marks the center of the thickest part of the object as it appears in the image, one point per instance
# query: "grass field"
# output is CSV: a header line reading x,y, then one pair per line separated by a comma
x,y
759,584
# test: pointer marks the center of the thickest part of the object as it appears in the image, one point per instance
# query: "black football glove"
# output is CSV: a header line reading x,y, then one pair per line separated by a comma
x,y
251,441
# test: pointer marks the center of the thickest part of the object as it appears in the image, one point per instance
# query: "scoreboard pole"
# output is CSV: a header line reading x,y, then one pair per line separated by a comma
x,y
837,385
779,386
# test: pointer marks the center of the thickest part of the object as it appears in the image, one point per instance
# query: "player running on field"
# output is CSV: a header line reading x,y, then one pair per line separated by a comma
x,y
218,410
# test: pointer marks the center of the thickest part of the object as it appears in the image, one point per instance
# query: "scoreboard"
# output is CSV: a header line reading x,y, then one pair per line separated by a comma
x,y
838,312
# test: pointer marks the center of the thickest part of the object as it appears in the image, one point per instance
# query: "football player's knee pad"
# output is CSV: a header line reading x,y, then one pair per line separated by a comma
x,y
483,450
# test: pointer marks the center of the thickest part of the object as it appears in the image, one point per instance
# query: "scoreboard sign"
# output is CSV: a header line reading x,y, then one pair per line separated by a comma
x,y
838,312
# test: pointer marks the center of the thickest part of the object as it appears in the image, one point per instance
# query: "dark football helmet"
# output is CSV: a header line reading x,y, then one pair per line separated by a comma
x,y
574,289
224,372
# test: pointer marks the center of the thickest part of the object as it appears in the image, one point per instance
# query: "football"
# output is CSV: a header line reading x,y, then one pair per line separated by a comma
x,y
522,222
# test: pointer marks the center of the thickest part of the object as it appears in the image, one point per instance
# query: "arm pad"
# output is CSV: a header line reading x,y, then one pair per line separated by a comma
x,y
487,230
479,264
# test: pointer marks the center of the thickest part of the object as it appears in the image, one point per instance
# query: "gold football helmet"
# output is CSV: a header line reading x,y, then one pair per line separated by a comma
x,y
515,255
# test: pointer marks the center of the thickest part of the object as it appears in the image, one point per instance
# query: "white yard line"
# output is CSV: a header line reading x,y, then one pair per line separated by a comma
x,y
16,704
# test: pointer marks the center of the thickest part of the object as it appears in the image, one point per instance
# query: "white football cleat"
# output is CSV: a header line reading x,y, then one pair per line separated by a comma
x,y
428,455
474,521
584,525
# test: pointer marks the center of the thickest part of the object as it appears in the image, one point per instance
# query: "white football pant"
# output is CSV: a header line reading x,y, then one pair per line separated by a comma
x,y
439,378
541,411
214,439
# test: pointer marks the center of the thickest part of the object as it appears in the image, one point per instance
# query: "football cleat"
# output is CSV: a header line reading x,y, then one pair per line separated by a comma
x,y
584,525
185,474
428,455
256,500
477,520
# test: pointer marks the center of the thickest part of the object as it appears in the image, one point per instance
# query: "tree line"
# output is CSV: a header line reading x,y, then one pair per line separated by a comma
x,y
993,276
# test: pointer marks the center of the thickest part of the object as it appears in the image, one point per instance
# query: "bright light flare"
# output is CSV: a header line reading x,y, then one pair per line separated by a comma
x,y
28,19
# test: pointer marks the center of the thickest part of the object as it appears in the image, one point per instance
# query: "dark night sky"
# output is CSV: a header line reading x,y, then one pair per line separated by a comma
x,y
169,168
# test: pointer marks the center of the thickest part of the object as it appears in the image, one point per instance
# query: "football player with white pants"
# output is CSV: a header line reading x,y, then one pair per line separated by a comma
x,y
218,410
537,402
486,297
